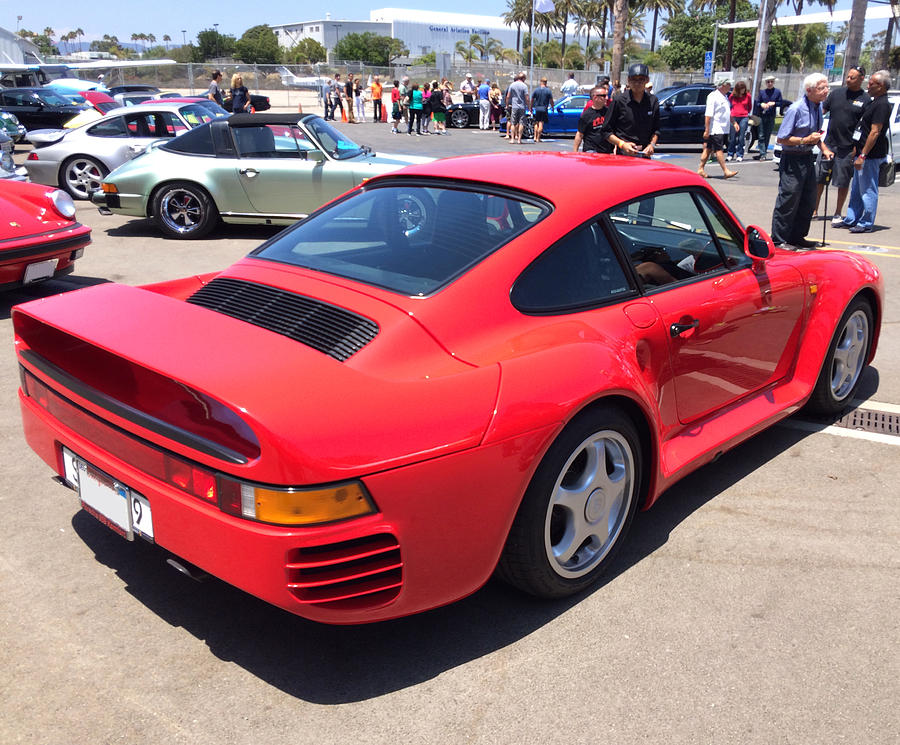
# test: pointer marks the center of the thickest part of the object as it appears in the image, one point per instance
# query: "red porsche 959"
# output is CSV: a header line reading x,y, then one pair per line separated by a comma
x,y
438,376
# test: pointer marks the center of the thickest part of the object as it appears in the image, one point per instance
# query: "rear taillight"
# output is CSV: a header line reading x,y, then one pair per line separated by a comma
x,y
264,503
32,156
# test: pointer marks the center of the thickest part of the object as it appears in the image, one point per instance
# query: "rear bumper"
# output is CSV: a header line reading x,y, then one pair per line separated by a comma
x,y
14,259
436,538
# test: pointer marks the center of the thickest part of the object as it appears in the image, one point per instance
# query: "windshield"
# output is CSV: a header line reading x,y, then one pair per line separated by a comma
x,y
336,144
53,99
195,114
405,238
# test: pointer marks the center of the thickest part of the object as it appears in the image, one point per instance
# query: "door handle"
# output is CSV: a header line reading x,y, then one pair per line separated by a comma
x,y
676,329
248,172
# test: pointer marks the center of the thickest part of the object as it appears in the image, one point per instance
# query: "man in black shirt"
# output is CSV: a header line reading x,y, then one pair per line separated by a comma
x,y
590,124
872,149
846,107
632,124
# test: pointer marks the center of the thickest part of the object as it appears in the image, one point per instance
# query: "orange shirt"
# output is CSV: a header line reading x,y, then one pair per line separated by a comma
x,y
376,91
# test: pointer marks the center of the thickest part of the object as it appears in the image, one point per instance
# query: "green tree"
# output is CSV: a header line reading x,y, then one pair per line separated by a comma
x,y
428,60
369,48
210,43
258,46
43,42
307,52
518,13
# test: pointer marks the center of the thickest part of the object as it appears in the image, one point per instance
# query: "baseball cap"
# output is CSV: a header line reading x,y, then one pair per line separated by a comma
x,y
638,68
724,80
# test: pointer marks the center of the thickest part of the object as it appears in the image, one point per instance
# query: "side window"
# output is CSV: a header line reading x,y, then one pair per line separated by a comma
x,y
728,235
114,127
704,94
140,125
255,142
667,238
580,271
686,97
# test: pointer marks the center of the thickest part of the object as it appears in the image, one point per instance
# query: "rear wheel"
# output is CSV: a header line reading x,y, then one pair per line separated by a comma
x,y
184,210
846,359
578,507
81,176
459,118
528,128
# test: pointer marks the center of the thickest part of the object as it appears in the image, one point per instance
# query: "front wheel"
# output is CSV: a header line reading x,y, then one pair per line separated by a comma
x,y
528,128
578,507
82,176
459,118
183,210
846,359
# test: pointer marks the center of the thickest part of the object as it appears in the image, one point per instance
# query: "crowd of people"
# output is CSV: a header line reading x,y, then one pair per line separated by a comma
x,y
627,122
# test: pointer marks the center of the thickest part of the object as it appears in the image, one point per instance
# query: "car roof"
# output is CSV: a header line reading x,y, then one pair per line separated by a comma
x,y
559,177
142,109
246,120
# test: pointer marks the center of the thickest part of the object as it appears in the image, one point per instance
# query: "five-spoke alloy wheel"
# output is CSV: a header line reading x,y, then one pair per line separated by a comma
x,y
81,176
184,210
578,507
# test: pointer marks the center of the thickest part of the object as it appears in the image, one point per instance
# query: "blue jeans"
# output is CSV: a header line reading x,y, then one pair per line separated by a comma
x,y
736,141
864,194
766,127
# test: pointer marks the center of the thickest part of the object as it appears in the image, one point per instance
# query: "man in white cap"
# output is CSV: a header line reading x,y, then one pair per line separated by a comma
x,y
717,125
768,102
467,88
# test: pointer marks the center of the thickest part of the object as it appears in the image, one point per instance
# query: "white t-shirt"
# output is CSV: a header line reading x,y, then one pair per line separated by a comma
x,y
569,87
718,109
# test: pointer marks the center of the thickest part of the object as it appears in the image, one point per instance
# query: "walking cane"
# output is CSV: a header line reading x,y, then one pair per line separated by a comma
x,y
826,166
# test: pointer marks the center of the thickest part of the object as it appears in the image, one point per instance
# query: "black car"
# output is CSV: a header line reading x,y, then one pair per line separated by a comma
x,y
259,103
462,115
38,108
682,111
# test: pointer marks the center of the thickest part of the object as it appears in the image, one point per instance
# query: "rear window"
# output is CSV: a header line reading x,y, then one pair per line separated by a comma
x,y
410,239
197,141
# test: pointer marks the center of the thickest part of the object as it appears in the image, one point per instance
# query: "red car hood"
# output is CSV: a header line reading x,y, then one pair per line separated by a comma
x,y
399,399
27,212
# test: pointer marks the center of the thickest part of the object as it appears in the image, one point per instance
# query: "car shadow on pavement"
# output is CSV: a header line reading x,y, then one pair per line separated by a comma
x,y
45,289
341,664
146,228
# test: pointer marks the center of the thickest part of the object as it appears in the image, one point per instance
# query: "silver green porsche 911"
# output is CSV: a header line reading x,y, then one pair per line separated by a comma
x,y
249,168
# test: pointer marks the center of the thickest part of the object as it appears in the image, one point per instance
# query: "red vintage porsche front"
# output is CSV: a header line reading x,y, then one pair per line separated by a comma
x,y
39,237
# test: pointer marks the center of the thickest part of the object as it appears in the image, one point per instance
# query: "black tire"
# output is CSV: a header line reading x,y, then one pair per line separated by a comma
x,y
578,508
847,357
528,128
459,118
184,210
81,175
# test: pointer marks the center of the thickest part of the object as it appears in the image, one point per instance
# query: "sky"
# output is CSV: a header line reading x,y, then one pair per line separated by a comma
x,y
122,19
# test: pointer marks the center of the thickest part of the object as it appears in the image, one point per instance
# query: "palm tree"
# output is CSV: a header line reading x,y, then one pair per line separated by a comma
x,y
166,40
79,33
670,7
855,33
477,43
519,12
151,39
493,47
593,54
464,51
588,15
561,11
620,11
509,55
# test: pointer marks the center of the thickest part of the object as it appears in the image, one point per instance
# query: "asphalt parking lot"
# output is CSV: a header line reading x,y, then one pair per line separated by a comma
x,y
756,602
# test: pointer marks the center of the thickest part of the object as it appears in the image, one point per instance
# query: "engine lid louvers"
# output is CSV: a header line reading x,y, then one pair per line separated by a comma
x,y
337,332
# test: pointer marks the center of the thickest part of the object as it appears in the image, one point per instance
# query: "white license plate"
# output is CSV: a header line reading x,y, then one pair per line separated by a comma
x,y
39,270
110,501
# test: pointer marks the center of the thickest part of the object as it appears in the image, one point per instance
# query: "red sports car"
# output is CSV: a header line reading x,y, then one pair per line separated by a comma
x,y
482,364
39,236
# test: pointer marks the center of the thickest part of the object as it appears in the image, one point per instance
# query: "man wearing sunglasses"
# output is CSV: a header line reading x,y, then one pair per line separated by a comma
x,y
590,124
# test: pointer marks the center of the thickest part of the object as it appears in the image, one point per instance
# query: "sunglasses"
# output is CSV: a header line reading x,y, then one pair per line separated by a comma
x,y
600,95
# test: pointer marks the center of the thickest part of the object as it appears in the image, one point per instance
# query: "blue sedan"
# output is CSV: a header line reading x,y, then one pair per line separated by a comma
x,y
562,118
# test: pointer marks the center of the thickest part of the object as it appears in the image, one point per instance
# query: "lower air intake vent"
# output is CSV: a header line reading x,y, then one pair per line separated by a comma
x,y
337,332
361,573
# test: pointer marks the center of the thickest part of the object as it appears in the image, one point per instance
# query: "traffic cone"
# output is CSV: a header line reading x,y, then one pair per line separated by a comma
x,y
383,112
343,115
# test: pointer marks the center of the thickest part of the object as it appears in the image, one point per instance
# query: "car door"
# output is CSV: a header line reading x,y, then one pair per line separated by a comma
x,y
732,330
563,117
277,174
25,105
675,113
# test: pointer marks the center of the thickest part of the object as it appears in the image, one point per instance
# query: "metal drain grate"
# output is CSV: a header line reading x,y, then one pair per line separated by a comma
x,y
868,420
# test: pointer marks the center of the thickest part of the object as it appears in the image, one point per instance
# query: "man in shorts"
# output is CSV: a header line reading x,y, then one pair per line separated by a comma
x,y
846,106
717,122
590,123
541,101
516,104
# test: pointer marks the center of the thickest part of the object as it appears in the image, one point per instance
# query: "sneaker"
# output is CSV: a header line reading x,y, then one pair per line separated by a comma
x,y
860,229
728,158
804,243
837,222
740,159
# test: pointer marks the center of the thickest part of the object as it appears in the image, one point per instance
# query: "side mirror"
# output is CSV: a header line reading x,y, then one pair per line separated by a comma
x,y
669,104
315,156
758,245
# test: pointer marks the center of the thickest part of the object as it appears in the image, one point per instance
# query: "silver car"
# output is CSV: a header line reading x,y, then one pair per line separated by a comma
x,y
78,159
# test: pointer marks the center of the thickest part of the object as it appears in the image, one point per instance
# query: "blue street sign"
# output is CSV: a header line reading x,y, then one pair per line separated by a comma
x,y
708,64
829,56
